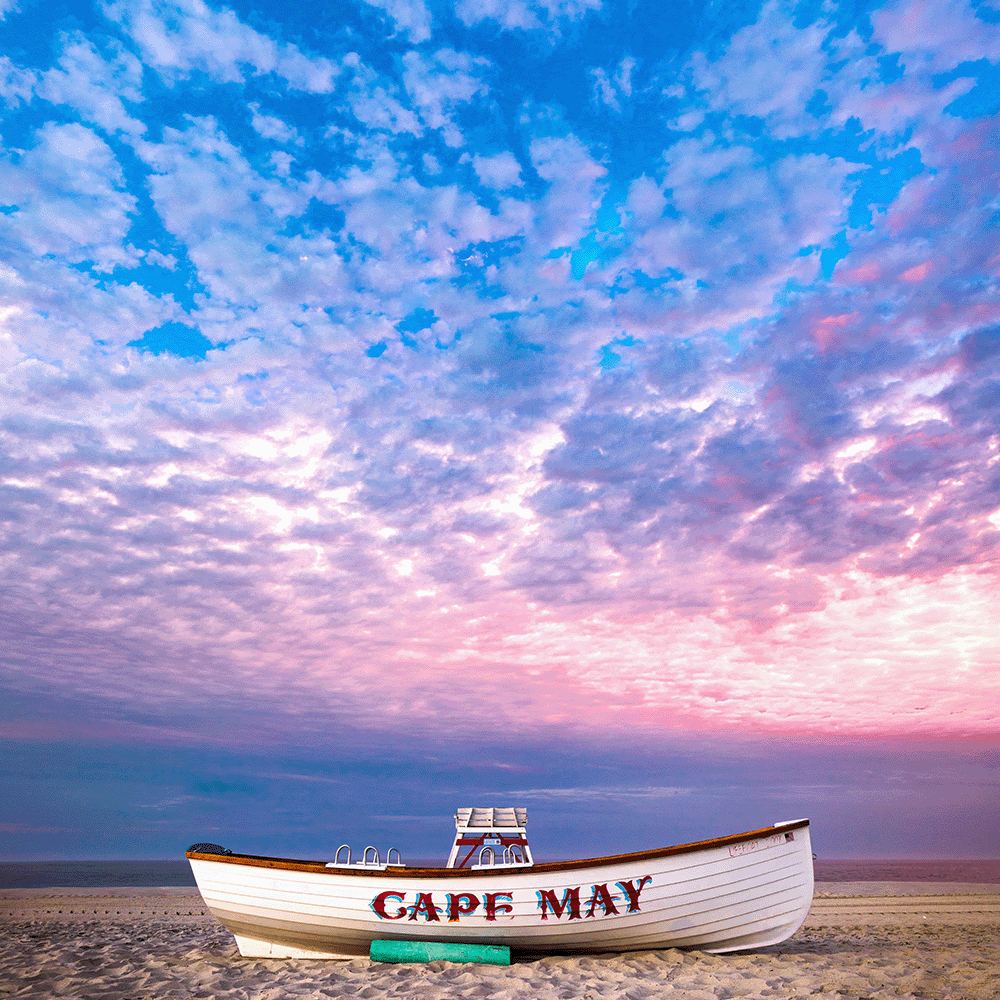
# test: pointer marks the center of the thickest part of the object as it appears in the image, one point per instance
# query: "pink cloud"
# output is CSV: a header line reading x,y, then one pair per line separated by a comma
x,y
828,330
916,273
935,34
864,274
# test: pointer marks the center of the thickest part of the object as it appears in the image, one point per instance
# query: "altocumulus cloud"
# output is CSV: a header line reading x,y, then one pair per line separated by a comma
x,y
655,372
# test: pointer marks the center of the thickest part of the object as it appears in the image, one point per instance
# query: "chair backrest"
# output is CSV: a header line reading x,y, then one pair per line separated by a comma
x,y
492,817
491,827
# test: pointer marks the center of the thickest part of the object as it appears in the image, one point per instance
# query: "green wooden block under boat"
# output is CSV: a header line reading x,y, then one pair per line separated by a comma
x,y
437,951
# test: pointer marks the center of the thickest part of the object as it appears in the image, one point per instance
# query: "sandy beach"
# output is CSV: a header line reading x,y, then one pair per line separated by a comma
x,y
862,940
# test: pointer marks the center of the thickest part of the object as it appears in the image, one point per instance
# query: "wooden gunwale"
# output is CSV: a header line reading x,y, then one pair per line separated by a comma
x,y
319,867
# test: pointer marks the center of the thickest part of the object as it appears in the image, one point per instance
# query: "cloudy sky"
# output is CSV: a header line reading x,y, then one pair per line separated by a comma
x,y
584,404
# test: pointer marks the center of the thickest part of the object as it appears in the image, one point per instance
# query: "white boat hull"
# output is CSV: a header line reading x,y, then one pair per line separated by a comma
x,y
728,894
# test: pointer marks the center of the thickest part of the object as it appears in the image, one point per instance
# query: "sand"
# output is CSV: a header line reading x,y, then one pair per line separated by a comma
x,y
876,941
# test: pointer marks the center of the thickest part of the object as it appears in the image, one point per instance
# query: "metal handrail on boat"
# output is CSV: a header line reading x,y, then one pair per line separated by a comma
x,y
364,862
512,858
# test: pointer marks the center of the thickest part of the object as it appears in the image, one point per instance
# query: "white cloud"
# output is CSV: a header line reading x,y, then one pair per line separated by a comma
x,y
571,202
179,37
161,260
411,17
437,85
378,109
604,91
271,127
96,85
70,198
935,35
528,15
500,171
282,163
373,104
770,69
645,199
16,83
774,70
603,793
231,219
611,90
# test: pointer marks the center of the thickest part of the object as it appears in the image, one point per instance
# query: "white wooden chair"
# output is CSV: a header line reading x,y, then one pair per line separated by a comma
x,y
491,830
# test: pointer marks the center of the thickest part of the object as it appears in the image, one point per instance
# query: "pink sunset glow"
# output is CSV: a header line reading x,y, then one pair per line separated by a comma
x,y
349,409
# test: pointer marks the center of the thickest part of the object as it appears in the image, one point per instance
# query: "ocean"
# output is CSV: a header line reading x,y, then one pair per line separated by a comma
x,y
48,874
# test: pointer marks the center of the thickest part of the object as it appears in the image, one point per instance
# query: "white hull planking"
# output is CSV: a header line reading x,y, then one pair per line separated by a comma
x,y
724,897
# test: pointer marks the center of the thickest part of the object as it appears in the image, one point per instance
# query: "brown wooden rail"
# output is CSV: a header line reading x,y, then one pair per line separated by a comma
x,y
291,864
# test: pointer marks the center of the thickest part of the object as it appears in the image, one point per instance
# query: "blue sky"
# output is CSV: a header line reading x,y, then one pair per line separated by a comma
x,y
576,401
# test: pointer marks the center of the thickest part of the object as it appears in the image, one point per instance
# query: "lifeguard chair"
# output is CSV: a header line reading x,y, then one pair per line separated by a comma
x,y
499,835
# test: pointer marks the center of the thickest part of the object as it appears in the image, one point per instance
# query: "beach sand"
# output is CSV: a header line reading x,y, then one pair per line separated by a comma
x,y
863,941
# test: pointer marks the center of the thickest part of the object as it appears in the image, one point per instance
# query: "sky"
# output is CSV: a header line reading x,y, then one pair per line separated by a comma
x,y
590,405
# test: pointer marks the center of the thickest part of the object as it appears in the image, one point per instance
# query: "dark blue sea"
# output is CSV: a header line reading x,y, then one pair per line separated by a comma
x,y
46,874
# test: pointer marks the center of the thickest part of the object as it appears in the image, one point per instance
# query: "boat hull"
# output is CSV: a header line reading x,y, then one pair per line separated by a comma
x,y
732,893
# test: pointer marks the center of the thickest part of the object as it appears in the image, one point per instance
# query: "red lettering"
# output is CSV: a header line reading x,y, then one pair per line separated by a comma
x,y
424,905
378,904
601,897
455,907
633,891
571,899
493,907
